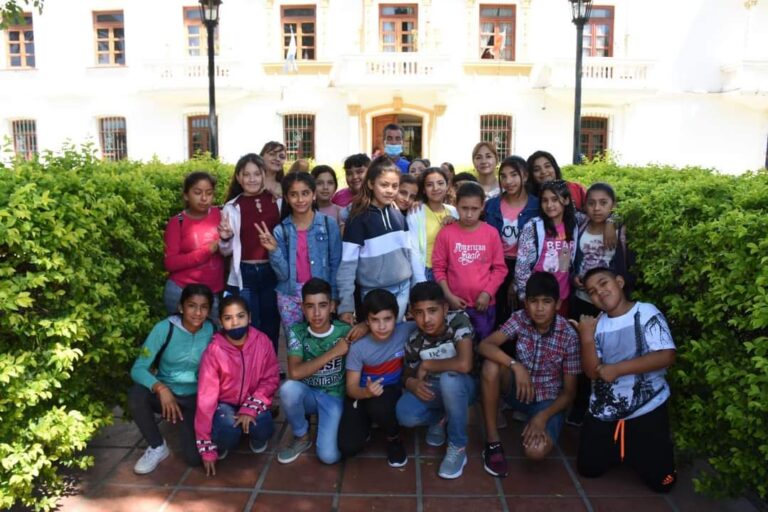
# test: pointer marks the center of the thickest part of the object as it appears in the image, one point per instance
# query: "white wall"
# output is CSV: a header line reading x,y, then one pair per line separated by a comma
x,y
682,116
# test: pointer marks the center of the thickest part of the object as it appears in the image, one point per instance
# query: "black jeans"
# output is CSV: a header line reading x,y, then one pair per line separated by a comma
x,y
648,448
143,405
355,424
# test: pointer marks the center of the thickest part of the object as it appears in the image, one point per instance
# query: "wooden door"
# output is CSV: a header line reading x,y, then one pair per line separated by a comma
x,y
377,134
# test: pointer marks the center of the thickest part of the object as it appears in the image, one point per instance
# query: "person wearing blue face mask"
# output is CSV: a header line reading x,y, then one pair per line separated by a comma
x,y
393,146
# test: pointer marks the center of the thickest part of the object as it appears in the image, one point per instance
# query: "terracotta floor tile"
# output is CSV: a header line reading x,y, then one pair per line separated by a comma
x,y
238,470
105,460
306,472
288,503
528,504
208,501
432,504
474,443
474,480
168,472
650,504
113,498
119,435
546,477
358,504
619,481
369,476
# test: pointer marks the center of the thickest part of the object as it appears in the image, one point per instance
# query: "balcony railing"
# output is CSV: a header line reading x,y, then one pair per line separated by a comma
x,y
603,72
187,74
747,76
393,69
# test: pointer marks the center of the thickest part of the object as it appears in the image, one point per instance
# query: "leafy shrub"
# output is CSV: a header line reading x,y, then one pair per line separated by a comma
x,y
702,257
81,273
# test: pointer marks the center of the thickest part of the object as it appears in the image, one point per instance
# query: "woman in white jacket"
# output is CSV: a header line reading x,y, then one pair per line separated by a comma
x,y
425,222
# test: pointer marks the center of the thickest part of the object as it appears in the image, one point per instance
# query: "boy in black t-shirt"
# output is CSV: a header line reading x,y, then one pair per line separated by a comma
x,y
439,379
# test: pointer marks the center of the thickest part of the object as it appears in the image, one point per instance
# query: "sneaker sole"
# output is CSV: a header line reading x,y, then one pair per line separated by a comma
x,y
258,450
154,468
435,445
296,456
397,464
493,473
454,475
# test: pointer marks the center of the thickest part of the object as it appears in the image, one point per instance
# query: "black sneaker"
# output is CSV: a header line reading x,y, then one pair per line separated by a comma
x,y
396,456
494,461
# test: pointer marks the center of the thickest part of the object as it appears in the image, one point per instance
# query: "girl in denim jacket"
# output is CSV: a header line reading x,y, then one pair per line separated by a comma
x,y
304,245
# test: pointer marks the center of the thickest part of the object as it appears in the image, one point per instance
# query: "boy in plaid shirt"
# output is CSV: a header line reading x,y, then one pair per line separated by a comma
x,y
541,382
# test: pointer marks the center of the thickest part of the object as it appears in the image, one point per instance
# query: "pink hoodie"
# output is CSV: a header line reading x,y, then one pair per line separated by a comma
x,y
247,377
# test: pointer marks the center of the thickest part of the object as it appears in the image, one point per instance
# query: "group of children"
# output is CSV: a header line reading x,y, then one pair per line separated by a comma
x,y
404,298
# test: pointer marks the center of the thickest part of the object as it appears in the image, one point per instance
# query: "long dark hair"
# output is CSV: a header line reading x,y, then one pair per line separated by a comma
x,y
560,189
363,199
518,165
287,183
422,179
322,169
235,189
535,188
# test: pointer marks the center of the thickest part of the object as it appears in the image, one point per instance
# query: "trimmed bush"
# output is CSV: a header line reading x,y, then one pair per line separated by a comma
x,y
81,268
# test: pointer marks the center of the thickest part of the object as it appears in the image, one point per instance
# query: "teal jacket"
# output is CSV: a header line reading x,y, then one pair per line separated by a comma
x,y
179,364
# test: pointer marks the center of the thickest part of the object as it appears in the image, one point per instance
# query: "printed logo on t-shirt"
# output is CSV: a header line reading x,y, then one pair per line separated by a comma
x,y
557,255
444,351
468,253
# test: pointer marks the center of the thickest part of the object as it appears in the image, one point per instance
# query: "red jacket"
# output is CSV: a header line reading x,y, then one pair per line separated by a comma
x,y
247,377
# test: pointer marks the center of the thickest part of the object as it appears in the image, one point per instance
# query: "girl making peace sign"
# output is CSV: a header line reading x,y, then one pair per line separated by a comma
x,y
305,244
251,276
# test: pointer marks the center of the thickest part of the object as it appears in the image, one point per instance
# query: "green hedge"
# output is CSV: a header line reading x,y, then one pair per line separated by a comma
x,y
81,273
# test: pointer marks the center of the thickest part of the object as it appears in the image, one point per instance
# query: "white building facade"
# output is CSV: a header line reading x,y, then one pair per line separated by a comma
x,y
681,83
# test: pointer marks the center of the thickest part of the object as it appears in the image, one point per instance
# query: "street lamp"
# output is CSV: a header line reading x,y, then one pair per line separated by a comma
x,y
209,13
580,10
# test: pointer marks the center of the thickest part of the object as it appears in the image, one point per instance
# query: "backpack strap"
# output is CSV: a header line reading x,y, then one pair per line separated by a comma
x,y
159,355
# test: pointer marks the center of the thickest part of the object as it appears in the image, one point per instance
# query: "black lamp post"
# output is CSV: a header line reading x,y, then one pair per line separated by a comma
x,y
580,11
209,12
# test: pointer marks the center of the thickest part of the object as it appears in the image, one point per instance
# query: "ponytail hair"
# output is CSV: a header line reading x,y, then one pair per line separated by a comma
x,y
287,183
560,189
235,189
364,198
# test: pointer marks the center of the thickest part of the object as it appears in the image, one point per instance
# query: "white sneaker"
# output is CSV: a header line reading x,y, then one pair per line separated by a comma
x,y
151,458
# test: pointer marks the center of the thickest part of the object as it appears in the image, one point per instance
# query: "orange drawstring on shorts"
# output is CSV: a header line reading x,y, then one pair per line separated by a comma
x,y
619,432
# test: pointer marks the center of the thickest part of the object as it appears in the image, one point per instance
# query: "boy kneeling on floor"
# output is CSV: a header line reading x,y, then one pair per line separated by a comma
x,y
626,352
439,376
541,382
316,350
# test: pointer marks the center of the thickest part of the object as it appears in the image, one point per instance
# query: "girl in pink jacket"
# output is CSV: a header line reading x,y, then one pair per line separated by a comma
x,y
239,374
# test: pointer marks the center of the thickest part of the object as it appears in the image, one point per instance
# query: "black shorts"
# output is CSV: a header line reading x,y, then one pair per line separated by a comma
x,y
647,448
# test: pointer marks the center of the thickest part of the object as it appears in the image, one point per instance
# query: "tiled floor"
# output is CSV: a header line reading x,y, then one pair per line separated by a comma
x,y
248,482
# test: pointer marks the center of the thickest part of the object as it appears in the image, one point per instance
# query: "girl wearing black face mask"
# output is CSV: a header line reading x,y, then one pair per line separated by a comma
x,y
239,374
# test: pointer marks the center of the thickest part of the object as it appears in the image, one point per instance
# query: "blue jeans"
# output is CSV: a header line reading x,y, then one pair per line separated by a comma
x,y
298,400
554,423
454,393
226,436
400,291
429,274
259,282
